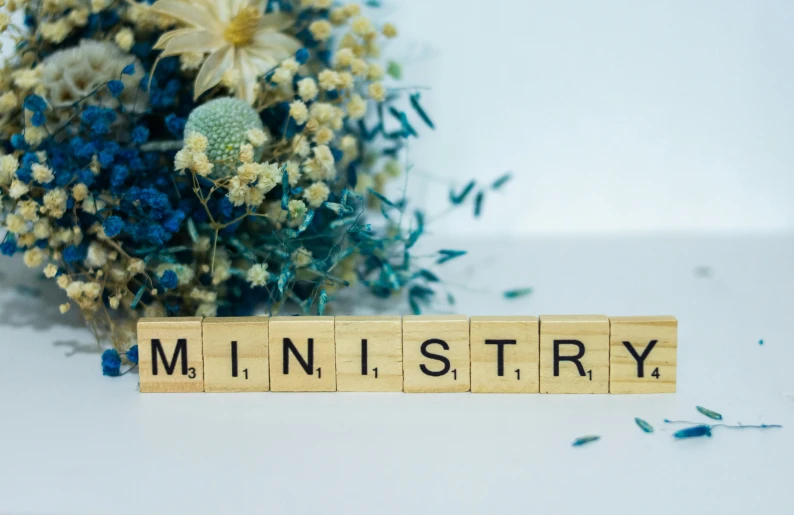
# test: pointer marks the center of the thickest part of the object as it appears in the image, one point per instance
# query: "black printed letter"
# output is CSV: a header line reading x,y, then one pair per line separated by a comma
x,y
575,359
157,350
500,354
234,359
640,359
306,364
438,357
364,357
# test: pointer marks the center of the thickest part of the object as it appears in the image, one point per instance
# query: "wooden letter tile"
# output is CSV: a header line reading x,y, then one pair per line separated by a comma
x,y
504,354
369,354
643,354
169,355
436,354
236,354
574,354
302,356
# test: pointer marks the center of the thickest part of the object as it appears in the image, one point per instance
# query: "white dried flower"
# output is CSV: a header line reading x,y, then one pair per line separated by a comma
x,y
257,137
299,112
316,194
74,73
42,174
307,89
258,275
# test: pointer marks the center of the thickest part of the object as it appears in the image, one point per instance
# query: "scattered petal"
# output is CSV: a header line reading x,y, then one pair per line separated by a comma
x,y
693,432
582,440
517,293
644,425
711,414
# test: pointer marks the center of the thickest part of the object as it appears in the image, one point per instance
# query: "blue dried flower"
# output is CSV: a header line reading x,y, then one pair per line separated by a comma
x,y
73,254
169,280
116,88
140,135
35,103
18,142
38,119
132,354
302,55
111,363
175,125
129,69
9,246
113,226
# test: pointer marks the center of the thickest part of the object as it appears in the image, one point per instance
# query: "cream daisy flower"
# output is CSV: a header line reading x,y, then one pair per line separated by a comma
x,y
234,33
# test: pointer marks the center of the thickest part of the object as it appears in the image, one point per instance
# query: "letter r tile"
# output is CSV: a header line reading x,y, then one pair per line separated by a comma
x,y
170,355
574,354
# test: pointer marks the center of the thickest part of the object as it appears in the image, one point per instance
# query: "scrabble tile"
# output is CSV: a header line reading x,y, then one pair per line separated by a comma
x,y
236,354
504,354
369,354
170,355
643,354
302,356
574,354
436,354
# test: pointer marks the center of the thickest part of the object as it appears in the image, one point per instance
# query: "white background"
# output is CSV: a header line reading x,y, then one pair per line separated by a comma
x,y
614,115
75,442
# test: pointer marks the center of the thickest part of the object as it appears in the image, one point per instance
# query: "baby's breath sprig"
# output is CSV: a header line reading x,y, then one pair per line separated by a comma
x,y
157,164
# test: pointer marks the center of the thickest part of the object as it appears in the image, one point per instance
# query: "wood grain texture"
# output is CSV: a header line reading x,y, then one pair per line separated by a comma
x,y
308,345
573,335
443,336
170,355
517,336
236,354
373,366
658,367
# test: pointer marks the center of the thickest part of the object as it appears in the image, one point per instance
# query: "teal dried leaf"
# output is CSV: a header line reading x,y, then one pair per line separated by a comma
x,y
458,199
449,255
450,299
339,209
421,292
381,197
517,293
283,278
285,189
415,308
584,440
711,414
306,221
478,204
408,129
644,425
420,111
395,70
501,181
760,342
341,222
322,303
138,296
420,229
429,276
192,231
693,432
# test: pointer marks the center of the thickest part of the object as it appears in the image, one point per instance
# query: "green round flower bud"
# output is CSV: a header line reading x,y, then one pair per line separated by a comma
x,y
225,123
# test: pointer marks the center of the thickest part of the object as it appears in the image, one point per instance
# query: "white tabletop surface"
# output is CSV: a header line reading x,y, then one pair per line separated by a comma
x,y
75,442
